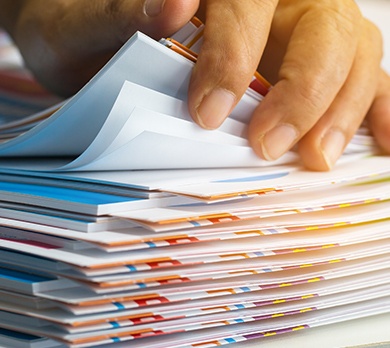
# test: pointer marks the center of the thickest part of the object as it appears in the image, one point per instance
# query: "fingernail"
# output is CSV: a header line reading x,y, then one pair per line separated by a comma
x,y
277,141
215,107
153,8
332,145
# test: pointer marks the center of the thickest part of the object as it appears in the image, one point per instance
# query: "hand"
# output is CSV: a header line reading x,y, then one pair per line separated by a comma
x,y
65,42
378,117
322,56
324,60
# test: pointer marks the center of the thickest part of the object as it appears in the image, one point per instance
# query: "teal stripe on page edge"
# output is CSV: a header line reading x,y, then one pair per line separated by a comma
x,y
64,194
18,335
22,277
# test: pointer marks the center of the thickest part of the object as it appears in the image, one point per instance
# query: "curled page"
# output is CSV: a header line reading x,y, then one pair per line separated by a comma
x,y
104,126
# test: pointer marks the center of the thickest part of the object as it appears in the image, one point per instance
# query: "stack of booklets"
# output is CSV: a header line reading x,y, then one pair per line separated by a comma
x,y
123,224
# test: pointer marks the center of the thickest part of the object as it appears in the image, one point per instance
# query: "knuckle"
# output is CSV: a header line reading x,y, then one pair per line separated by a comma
x,y
112,8
240,51
312,94
308,88
220,65
113,13
373,32
265,5
342,17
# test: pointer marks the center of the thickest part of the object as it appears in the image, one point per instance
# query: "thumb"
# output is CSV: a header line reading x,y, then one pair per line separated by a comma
x,y
107,24
66,43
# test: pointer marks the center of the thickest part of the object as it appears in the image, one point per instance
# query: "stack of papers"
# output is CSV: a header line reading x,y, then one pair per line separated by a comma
x,y
122,223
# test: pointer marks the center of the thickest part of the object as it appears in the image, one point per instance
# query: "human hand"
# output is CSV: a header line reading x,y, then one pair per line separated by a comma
x,y
66,42
324,60
322,56
378,116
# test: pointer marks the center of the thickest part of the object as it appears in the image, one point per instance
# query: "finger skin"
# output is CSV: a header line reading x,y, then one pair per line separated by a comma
x,y
378,117
318,59
66,43
321,147
235,34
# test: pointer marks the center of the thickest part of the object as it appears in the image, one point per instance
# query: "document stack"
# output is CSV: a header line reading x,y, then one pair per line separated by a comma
x,y
124,224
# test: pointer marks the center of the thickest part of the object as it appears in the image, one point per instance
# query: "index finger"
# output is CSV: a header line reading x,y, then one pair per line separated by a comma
x,y
233,42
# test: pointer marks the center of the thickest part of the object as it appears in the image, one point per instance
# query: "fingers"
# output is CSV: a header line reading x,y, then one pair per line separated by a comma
x,y
234,39
378,117
66,43
317,63
320,148
103,24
